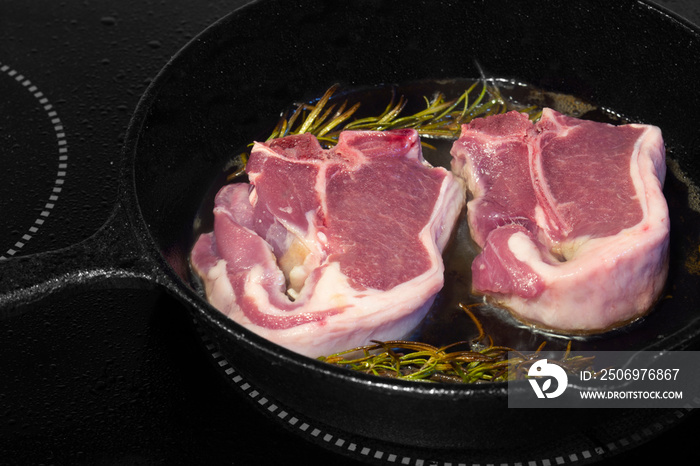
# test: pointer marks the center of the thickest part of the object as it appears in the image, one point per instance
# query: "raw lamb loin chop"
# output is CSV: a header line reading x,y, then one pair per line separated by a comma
x,y
326,250
570,216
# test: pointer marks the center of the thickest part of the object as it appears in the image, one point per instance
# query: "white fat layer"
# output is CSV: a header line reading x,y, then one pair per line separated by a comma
x,y
253,197
527,252
540,217
218,288
438,230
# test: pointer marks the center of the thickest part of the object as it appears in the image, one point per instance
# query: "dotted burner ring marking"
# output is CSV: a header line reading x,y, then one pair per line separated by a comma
x,y
62,157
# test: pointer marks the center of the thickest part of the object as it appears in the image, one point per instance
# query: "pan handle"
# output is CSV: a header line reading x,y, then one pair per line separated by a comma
x,y
112,257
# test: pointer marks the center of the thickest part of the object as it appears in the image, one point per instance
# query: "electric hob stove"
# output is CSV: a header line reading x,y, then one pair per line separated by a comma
x,y
122,376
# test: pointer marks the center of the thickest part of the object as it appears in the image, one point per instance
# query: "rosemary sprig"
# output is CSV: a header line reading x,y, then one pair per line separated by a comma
x,y
441,118
482,362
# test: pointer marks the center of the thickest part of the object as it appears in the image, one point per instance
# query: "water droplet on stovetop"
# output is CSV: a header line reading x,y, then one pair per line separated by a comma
x,y
108,20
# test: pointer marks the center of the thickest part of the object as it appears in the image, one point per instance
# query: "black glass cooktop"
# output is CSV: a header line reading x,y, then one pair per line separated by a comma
x,y
121,376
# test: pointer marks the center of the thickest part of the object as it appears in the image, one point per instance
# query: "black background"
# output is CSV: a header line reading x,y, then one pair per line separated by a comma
x,y
119,377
